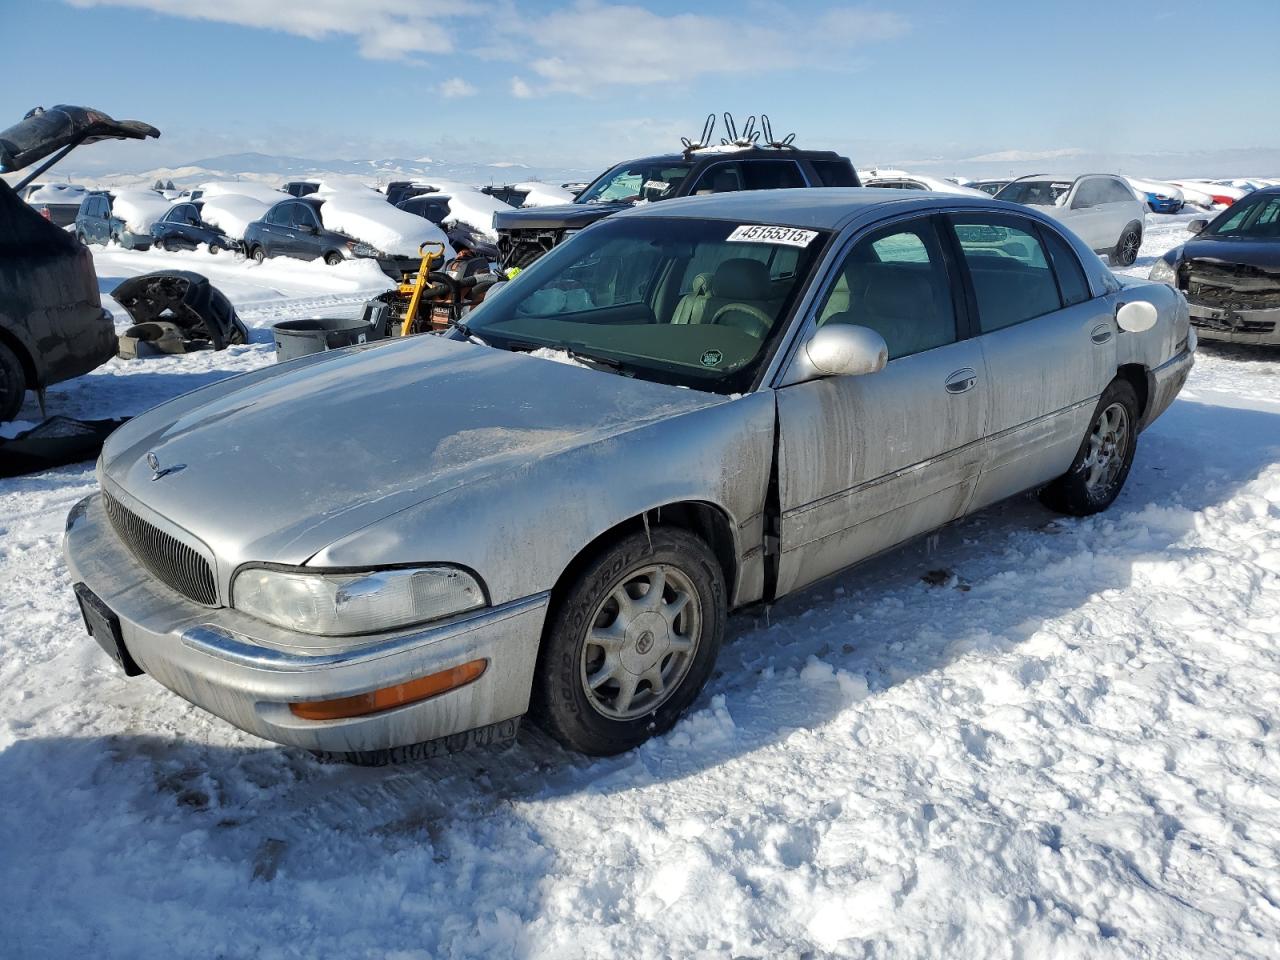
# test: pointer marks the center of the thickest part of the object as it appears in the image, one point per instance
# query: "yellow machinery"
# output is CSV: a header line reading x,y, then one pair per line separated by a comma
x,y
415,289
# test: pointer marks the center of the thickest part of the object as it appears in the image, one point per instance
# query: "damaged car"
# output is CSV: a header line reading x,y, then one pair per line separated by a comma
x,y
52,323
1230,271
688,408
739,163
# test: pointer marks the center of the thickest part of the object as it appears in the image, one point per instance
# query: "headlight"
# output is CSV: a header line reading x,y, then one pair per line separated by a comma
x,y
346,604
1162,271
365,250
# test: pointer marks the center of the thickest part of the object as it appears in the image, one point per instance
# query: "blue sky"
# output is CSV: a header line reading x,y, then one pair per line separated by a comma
x,y
569,83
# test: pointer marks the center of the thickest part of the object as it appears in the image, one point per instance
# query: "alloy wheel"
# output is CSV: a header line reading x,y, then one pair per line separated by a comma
x,y
641,642
1108,443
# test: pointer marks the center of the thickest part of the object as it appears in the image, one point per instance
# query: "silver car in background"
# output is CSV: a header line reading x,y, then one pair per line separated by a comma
x,y
404,547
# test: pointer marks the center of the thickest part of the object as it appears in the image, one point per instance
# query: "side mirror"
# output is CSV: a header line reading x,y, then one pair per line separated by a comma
x,y
1136,317
1197,225
845,350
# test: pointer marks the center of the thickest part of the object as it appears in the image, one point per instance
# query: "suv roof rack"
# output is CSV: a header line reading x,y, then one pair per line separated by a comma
x,y
748,139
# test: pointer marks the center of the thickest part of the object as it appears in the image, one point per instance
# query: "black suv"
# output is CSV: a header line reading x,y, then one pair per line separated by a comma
x,y
525,235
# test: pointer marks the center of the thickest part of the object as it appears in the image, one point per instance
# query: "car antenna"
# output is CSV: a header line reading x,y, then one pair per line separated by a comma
x,y
708,129
784,144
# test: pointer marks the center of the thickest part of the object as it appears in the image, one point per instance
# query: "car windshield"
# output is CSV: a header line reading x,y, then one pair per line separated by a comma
x,y
1037,193
1257,218
695,303
641,180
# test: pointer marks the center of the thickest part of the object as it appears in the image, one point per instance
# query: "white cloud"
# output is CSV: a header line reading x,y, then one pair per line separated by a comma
x,y
456,87
383,29
589,44
1024,156
520,90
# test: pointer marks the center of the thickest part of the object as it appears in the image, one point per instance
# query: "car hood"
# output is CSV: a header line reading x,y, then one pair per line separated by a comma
x,y
1264,254
565,215
277,464
41,132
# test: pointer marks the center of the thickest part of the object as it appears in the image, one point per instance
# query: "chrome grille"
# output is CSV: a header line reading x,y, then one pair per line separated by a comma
x,y
168,559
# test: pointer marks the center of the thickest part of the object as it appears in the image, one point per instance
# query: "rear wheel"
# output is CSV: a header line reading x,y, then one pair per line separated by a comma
x,y
1126,250
332,259
1103,461
631,643
13,384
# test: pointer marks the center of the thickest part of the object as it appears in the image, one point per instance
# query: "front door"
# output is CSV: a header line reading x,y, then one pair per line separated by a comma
x,y
867,462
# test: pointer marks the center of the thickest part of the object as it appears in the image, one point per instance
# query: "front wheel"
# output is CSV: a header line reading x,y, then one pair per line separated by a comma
x,y
631,642
258,254
1103,461
1126,249
333,259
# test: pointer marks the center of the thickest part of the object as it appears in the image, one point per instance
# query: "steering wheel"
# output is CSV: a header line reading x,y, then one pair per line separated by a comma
x,y
761,318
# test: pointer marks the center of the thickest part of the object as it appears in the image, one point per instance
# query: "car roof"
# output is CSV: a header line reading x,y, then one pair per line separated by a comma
x,y
826,208
729,153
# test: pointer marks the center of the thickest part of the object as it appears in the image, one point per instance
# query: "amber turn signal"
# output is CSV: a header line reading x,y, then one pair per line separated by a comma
x,y
375,701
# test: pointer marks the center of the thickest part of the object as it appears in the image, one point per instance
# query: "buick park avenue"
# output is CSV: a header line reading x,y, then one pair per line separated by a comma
x,y
551,510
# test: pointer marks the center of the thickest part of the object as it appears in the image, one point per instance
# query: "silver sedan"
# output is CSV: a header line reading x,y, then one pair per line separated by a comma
x,y
404,547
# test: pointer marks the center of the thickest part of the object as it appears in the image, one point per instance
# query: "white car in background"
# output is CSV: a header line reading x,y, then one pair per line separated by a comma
x,y
1100,208
901,180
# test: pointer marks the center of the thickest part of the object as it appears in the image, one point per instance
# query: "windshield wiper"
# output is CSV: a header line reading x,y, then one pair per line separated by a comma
x,y
575,354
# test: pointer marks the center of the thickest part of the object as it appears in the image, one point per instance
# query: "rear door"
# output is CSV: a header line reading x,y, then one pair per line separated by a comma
x,y
1088,214
867,462
306,232
1049,347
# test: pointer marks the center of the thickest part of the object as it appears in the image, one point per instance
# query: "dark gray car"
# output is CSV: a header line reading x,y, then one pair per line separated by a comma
x,y
182,228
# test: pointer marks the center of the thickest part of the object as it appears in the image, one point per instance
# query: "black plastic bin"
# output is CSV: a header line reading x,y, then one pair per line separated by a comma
x,y
298,338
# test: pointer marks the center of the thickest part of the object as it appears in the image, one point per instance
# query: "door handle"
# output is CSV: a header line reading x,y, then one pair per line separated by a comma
x,y
1101,333
962,381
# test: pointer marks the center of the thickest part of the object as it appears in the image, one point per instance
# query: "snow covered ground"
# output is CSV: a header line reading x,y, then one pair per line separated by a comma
x,y
1065,742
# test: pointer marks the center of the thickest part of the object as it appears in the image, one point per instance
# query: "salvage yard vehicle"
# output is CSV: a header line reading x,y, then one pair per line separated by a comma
x,y
296,228
52,323
739,163
183,229
1230,272
901,180
97,221
1099,208
56,202
753,392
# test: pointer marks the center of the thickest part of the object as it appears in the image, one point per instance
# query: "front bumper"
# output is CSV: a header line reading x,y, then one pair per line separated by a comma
x,y
218,659
1234,325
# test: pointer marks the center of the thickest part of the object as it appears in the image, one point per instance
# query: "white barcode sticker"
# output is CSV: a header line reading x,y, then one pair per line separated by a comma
x,y
756,233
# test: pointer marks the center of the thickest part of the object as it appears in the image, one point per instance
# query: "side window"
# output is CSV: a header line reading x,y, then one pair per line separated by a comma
x,y
304,216
1011,277
721,178
278,215
772,174
895,282
1071,278
833,173
1088,194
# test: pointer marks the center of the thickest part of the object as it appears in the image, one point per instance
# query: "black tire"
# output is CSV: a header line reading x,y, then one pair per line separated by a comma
x,y
213,249
1075,493
332,258
13,384
1126,248
258,254
81,237
561,701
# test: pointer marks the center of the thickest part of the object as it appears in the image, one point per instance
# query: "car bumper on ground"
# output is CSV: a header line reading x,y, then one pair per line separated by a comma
x,y
1236,326
248,673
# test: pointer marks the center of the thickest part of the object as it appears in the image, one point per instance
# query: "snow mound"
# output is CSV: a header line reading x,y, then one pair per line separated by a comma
x,y
364,214
544,194
243,188
232,212
139,209
57,193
